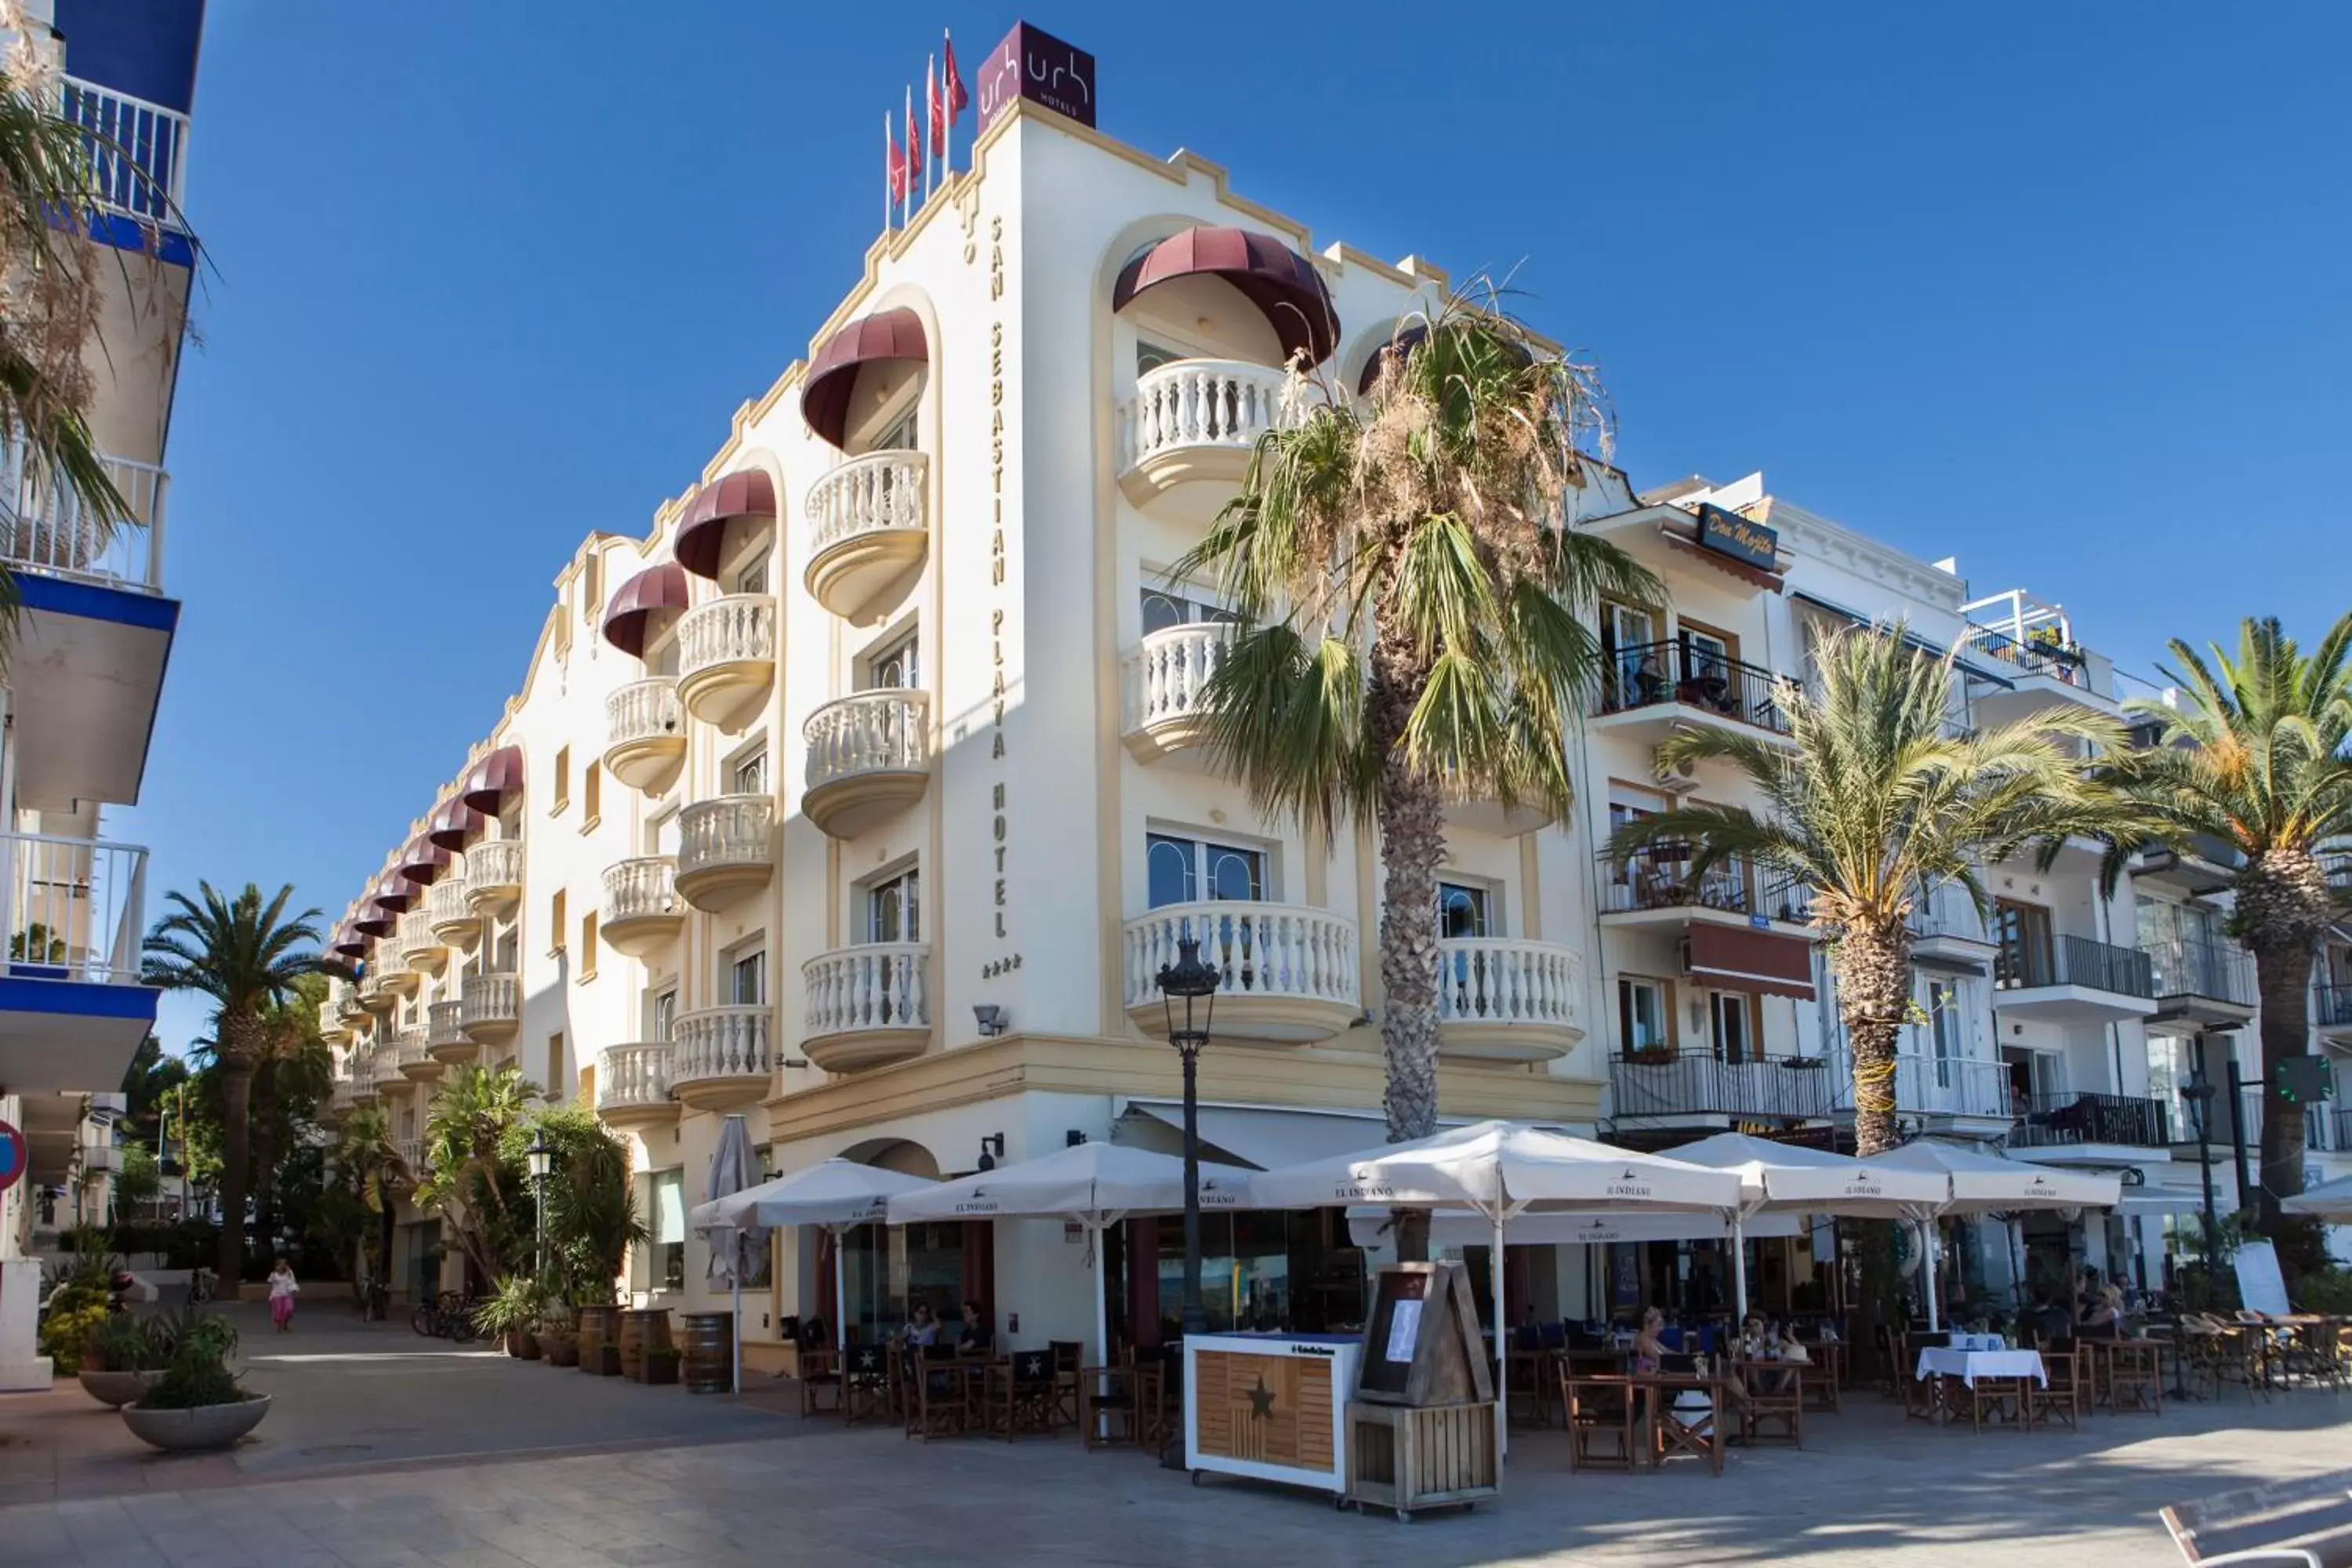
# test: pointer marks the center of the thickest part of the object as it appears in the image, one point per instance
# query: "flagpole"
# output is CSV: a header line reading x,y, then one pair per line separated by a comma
x,y
889,147
947,102
932,104
907,204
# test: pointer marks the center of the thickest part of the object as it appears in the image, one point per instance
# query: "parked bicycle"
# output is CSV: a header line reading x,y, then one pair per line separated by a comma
x,y
448,1316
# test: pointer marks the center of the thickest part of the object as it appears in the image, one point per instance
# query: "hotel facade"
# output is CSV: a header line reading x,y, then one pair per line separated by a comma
x,y
862,795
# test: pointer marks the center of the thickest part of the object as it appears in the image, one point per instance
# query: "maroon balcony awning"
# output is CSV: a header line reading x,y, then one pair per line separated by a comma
x,y
495,780
1761,961
657,590
455,826
374,919
347,942
336,964
422,862
1284,285
833,374
394,892
1404,342
702,528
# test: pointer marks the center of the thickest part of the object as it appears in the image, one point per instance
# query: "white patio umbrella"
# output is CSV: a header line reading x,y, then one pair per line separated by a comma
x,y
1782,1178
732,1167
835,1194
2331,1201
1095,1185
1500,1170
1371,1227
1991,1183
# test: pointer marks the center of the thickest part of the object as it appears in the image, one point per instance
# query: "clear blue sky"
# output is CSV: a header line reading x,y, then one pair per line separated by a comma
x,y
2058,289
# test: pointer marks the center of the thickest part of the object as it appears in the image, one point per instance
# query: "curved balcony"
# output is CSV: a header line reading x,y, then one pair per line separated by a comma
x,y
1288,972
1503,1000
1165,678
720,1057
1195,419
348,1008
645,734
416,1063
450,910
868,1006
726,849
394,978
494,876
420,949
335,1013
444,1035
492,1008
383,1068
641,912
632,1085
372,997
869,527
868,758
727,658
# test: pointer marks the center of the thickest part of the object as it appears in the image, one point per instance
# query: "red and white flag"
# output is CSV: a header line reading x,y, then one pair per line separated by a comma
x,y
894,171
957,97
936,107
914,146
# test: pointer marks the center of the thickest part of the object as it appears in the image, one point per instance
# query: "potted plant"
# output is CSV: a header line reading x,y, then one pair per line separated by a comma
x,y
511,1315
559,1340
661,1364
197,1403
123,1358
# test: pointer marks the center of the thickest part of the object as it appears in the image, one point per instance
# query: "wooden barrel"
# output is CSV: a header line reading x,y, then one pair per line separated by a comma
x,y
709,1352
633,1342
596,1328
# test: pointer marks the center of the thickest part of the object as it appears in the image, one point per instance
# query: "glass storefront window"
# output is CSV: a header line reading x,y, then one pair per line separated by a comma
x,y
886,1272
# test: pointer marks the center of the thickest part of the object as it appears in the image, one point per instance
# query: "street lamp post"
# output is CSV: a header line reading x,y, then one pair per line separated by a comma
x,y
1194,983
2198,1092
542,1158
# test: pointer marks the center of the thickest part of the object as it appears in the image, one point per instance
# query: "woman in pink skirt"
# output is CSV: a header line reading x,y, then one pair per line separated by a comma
x,y
282,1289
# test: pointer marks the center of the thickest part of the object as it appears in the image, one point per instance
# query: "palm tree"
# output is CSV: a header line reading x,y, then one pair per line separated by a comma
x,y
1404,589
465,1177
246,955
1879,801
369,1156
2257,761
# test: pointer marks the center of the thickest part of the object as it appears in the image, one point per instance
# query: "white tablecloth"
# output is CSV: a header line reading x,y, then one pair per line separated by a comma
x,y
1970,1365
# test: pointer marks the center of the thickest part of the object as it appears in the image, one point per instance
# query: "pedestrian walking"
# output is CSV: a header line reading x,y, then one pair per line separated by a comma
x,y
282,1290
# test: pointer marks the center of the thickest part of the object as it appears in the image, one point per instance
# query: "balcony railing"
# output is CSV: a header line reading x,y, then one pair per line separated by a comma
x,y
1700,1085
642,888
642,711
2328,1128
2058,1121
2332,1007
494,864
720,1043
492,1000
412,1154
737,629
446,909
1170,671
1259,949
1502,980
1198,403
44,529
73,908
2039,655
2074,961
383,1065
136,149
881,492
875,986
2218,972
409,1047
884,730
732,830
445,1026
632,1078
1658,877
1946,912
1644,675
415,937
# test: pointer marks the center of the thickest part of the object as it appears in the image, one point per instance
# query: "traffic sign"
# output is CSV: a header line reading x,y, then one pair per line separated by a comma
x,y
14,1156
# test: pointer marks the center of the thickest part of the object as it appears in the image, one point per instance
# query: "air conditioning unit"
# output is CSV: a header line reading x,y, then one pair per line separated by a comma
x,y
1675,781
106,1108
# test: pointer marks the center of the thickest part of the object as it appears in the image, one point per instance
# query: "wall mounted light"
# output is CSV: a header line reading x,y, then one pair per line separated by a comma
x,y
992,1018
992,1149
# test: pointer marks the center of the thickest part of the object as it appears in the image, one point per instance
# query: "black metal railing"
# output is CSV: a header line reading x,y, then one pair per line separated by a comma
x,y
2048,1120
2040,657
1659,877
2074,961
1644,675
1662,1084
2332,1007
2218,972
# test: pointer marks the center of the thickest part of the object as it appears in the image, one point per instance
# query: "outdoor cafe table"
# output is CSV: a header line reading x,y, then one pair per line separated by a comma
x,y
1970,1365
1665,1428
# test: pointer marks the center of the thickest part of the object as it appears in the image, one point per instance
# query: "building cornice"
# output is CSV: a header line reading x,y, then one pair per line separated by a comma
x,y
1811,537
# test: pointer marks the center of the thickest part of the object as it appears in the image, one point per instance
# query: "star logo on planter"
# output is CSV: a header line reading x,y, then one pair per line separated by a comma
x,y
1261,1399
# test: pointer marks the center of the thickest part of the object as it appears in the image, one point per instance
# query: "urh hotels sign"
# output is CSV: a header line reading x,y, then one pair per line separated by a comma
x,y
1034,64
1729,533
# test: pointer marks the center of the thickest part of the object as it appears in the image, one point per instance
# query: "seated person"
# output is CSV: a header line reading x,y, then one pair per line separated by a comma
x,y
922,1329
1650,1345
976,1339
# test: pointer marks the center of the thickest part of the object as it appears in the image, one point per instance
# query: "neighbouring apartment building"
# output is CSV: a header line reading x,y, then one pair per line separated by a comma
x,y
85,673
862,795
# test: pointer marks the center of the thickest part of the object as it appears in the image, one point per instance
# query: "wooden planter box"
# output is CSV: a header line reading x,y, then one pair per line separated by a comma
x,y
1409,1458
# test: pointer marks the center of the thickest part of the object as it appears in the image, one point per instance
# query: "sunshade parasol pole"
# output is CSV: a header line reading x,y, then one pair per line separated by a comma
x,y
738,1317
1502,1356
1739,1265
840,1298
1928,1246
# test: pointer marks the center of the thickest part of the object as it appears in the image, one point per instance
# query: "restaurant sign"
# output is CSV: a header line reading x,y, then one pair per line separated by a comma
x,y
1729,533
1034,64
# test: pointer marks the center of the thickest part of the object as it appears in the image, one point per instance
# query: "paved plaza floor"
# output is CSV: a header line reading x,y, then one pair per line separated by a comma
x,y
385,1451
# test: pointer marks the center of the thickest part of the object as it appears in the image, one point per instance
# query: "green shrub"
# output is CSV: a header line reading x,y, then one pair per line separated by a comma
x,y
2328,1291
197,1377
209,1332
124,1343
68,1330
516,1308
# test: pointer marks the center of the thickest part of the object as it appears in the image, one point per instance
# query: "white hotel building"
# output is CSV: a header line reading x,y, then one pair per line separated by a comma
x,y
861,795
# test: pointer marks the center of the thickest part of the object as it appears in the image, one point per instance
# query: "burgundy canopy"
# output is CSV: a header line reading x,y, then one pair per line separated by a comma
x,y
336,964
394,892
422,862
1404,342
455,826
702,529
347,942
1282,284
833,374
374,919
495,780
655,589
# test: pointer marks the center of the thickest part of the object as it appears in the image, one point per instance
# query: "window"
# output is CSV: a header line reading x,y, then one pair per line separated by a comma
x,y
1732,1017
1162,610
895,667
753,577
555,1074
1462,910
591,593
1706,656
901,434
747,980
664,1022
748,775
669,1230
1627,635
563,795
1150,356
2023,932
555,921
591,798
1194,870
1640,1014
588,946
893,909
1944,1028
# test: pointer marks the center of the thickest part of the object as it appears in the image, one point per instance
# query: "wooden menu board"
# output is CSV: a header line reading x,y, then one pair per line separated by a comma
x,y
1422,1344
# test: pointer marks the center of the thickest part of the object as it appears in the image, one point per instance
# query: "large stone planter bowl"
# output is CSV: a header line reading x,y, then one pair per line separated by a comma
x,y
207,1427
118,1388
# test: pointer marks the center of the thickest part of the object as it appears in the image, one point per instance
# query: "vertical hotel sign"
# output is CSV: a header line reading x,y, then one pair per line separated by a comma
x,y
1729,533
1034,64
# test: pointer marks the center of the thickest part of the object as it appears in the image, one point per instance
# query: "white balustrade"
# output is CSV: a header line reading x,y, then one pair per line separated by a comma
x,y
408,1047
491,999
384,1066
732,830
1167,673
1259,949
632,1078
412,1154
879,492
740,628
884,730
642,711
876,985
1502,980
720,1042
642,888
415,935
494,863
1201,402
445,907
72,909
46,529
445,1026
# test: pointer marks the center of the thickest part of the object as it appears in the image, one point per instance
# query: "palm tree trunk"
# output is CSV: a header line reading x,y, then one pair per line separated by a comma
x,y
1873,980
237,1107
263,1173
387,1227
1412,845
2283,977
